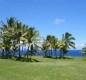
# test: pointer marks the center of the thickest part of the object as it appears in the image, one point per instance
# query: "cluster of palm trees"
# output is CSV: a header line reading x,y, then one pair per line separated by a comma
x,y
13,32
52,43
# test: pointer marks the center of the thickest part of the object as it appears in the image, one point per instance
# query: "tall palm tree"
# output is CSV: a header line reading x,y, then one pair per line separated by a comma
x,y
18,35
12,31
24,30
6,41
45,47
15,28
55,44
67,41
12,24
49,41
61,46
31,36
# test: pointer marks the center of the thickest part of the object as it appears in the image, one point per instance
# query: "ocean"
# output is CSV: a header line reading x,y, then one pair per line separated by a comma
x,y
41,53
69,53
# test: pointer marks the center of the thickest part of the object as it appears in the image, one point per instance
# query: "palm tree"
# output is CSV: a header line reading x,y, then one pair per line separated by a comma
x,y
6,35
84,49
45,47
12,24
61,45
66,43
49,39
18,35
24,30
55,44
52,42
12,31
31,36
15,28
6,41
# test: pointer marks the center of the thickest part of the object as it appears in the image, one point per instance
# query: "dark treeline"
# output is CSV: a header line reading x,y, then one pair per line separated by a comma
x,y
13,32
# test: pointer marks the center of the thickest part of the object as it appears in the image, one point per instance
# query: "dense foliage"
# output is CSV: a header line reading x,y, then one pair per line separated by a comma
x,y
14,34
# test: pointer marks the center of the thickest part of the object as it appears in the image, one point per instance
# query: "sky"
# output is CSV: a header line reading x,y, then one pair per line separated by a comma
x,y
54,17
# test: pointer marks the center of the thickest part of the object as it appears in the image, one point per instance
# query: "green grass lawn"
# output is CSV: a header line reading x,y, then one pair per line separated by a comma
x,y
45,69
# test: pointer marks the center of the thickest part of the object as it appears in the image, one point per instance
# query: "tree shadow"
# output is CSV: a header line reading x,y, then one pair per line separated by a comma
x,y
35,60
53,57
23,59
68,58
84,58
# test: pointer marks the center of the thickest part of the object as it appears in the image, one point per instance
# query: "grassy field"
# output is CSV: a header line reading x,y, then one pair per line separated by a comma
x,y
45,69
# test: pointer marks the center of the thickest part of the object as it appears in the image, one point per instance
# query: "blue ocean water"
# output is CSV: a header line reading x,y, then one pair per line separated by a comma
x,y
70,53
41,53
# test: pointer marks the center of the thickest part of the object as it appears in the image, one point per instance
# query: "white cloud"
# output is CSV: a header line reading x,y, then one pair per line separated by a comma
x,y
80,46
59,21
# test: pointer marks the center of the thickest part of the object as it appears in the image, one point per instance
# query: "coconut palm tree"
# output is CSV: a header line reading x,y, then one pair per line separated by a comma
x,y
12,31
12,25
18,35
68,39
49,39
6,41
45,47
66,43
84,49
24,30
55,44
61,45
31,37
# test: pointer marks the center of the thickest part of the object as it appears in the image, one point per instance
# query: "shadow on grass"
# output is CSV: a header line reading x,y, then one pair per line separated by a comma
x,y
84,58
23,59
68,58
53,57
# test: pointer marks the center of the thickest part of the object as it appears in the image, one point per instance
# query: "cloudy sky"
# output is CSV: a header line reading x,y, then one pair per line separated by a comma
x,y
53,17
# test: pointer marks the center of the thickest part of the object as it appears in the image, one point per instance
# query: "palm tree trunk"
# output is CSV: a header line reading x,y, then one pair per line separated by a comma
x,y
55,53
14,53
60,54
19,49
63,56
45,53
22,47
2,53
6,53
28,52
51,52
19,52
31,52
9,55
